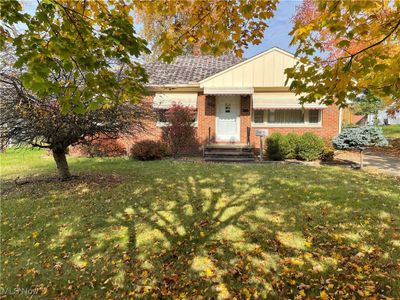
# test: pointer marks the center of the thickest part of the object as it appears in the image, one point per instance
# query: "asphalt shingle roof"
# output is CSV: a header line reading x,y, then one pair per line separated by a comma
x,y
188,68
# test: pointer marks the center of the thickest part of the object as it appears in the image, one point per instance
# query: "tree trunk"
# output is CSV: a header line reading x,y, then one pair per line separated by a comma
x,y
62,164
361,159
376,120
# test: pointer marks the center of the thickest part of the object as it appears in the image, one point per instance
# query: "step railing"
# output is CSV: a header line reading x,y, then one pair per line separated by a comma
x,y
208,141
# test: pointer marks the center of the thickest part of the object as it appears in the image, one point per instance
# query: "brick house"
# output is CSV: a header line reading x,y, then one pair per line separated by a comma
x,y
234,97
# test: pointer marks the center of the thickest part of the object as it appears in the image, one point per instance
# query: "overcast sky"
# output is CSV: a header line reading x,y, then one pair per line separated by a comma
x,y
275,36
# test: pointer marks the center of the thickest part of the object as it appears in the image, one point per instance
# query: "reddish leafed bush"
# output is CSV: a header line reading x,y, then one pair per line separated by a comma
x,y
149,150
179,133
103,147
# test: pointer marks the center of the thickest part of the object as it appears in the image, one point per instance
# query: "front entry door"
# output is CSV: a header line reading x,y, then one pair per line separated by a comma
x,y
228,118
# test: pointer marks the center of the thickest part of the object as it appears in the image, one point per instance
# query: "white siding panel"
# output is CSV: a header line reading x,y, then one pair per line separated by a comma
x,y
265,70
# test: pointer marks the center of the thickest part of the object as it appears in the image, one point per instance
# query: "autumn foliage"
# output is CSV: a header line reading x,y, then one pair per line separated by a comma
x,y
180,134
214,26
344,48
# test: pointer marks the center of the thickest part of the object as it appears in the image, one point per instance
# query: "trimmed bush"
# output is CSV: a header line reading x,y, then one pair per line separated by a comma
x,y
277,146
292,145
310,146
149,150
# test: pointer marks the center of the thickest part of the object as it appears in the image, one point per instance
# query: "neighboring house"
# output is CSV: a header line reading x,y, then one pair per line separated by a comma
x,y
234,97
384,118
349,118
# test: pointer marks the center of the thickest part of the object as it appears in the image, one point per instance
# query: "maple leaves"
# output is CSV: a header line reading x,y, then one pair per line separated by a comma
x,y
203,26
345,48
79,52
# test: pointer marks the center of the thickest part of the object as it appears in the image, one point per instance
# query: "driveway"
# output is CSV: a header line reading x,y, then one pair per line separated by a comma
x,y
380,162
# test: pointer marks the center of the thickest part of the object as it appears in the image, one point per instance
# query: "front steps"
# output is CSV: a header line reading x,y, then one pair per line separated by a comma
x,y
228,153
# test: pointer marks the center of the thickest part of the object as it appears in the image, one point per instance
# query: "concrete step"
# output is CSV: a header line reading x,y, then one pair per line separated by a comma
x,y
228,153
228,147
229,159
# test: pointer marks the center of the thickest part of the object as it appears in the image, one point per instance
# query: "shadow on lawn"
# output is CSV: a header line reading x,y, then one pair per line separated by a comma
x,y
220,235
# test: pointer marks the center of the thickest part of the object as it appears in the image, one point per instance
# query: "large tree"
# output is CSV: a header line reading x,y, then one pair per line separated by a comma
x,y
213,26
346,47
87,40
40,122
88,36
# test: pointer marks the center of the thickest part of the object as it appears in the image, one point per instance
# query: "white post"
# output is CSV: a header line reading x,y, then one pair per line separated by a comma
x,y
361,159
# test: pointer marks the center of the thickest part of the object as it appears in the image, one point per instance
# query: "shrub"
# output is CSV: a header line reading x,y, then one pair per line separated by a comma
x,y
310,146
277,146
360,138
292,145
149,150
179,134
328,152
103,147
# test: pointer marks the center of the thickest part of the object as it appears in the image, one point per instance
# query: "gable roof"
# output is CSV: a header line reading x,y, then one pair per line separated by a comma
x,y
188,69
249,60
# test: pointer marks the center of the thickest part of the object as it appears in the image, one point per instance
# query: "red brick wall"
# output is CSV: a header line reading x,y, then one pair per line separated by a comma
x,y
245,117
206,110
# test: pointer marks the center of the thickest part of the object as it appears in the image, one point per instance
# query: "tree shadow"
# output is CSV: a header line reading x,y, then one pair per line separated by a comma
x,y
221,231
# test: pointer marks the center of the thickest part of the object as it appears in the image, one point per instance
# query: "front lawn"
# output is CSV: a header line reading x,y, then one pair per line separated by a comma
x,y
391,131
183,230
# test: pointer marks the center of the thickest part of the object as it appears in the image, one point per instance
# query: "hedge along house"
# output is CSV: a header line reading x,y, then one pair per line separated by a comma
x,y
235,97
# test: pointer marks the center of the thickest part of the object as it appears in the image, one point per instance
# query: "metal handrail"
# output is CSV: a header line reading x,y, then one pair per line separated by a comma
x,y
209,135
248,135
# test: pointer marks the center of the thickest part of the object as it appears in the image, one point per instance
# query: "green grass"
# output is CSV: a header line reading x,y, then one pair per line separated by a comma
x,y
391,131
182,230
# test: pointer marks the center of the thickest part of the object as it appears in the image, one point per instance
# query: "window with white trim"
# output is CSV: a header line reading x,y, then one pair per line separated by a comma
x,y
258,116
314,116
287,116
161,116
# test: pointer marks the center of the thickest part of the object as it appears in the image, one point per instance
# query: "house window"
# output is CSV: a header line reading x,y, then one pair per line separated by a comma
x,y
161,115
283,116
313,116
194,120
258,116
287,116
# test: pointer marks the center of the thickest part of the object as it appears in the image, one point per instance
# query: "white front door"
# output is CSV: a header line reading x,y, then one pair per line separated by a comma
x,y
228,118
